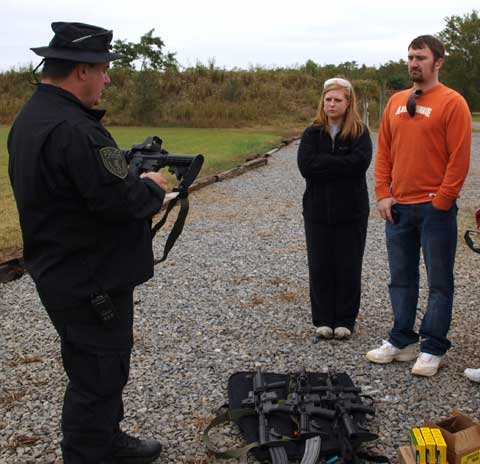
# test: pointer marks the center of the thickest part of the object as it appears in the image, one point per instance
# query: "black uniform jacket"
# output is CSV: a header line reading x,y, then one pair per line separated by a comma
x,y
335,174
86,228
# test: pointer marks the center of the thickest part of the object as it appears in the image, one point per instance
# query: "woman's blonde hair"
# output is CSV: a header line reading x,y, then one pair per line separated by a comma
x,y
352,123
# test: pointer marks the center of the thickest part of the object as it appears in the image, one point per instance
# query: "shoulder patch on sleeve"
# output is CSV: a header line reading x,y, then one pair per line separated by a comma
x,y
114,161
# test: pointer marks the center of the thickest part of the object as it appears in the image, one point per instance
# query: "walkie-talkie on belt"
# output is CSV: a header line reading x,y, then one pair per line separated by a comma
x,y
104,309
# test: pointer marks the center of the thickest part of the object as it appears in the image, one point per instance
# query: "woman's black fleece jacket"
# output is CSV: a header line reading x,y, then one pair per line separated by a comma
x,y
335,174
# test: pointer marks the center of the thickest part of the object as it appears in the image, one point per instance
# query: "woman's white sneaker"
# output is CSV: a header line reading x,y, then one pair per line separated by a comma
x,y
324,331
472,374
342,332
388,353
427,364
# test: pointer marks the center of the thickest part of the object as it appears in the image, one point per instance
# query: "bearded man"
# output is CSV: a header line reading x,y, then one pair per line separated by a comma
x,y
421,164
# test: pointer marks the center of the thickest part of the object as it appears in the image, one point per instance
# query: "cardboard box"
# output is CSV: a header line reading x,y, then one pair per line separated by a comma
x,y
405,455
462,435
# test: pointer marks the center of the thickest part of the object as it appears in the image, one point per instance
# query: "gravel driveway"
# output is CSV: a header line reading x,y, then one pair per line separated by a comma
x,y
233,295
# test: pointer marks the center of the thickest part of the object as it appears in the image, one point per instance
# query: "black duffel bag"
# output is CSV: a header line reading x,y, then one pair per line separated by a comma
x,y
307,416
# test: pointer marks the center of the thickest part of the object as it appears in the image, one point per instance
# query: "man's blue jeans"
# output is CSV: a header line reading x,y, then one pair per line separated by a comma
x,y
422,226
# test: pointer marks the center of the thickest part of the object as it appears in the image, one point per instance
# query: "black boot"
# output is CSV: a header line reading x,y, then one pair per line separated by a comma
x,y
131,450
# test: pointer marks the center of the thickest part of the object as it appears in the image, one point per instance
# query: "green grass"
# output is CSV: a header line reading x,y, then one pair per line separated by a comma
x,y
222,148
476,117
10,239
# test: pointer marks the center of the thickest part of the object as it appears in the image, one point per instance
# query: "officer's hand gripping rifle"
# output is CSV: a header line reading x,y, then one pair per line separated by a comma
x,y
150,156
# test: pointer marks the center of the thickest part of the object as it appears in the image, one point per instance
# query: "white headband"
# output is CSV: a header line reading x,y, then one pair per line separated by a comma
x,y
337,81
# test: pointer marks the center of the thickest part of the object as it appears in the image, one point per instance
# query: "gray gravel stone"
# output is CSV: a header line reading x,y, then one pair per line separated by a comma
x,y
233,295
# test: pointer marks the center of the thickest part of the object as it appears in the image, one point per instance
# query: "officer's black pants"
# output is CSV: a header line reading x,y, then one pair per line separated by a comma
x,y
335,255
96,360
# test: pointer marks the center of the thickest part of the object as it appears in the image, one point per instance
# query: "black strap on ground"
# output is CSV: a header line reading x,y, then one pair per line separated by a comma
x,y
277,453
228,416
469,241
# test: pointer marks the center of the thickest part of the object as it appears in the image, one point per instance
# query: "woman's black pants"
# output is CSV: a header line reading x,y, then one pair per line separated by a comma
x,y
335,256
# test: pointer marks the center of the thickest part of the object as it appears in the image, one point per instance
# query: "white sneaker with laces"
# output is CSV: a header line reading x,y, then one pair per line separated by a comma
x,y
342,332
472,374
388,353
324,331
427,364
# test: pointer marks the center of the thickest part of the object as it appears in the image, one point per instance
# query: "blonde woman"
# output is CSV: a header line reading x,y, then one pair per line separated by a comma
x,y
333,157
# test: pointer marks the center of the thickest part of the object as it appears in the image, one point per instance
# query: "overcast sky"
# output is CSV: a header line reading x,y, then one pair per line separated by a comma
x,y
238,34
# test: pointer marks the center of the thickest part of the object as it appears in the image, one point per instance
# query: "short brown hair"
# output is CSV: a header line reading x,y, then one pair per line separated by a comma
x,y
55,68
431,42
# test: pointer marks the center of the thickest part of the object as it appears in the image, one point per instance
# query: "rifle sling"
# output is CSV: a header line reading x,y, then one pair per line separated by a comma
x,y
177,227
278,453
228,416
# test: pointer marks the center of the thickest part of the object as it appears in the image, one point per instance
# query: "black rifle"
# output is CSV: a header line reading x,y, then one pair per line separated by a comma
x,y
265,400
345,402
308,405
150,156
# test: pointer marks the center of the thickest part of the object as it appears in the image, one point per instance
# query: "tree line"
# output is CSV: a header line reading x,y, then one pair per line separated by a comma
x,y
149,88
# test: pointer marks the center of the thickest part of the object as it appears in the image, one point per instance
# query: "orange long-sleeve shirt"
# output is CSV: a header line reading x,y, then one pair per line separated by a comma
x,y
425,157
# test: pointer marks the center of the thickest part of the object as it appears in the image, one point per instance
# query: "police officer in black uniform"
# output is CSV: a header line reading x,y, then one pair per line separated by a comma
x,y
86,231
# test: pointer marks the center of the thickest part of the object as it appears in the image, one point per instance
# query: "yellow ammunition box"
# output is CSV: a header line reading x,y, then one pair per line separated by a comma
x,y
418,446
430,446
441,446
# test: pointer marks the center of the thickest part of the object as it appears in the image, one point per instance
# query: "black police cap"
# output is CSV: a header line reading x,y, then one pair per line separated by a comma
x,y
79,42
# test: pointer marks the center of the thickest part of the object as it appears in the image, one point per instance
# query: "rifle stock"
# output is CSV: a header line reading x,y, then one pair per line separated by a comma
x,y
354,433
